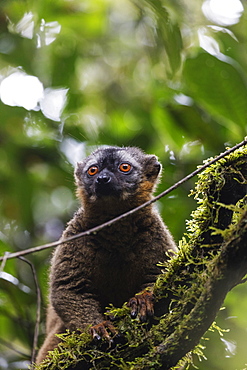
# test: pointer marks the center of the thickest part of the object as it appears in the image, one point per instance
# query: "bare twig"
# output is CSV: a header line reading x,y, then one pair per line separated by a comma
x,y
126,214
36,329
4,260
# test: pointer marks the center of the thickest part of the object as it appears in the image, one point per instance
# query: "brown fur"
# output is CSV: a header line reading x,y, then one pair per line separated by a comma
x,y
113,265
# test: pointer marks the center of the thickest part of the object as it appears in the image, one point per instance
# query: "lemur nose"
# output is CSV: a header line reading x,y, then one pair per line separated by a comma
x,y
103,179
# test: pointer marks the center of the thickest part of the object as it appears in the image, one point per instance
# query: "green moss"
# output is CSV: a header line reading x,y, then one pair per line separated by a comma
x,y
213,177
68,352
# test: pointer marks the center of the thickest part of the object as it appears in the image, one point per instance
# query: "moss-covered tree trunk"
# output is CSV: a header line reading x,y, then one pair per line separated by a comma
x,y
211,261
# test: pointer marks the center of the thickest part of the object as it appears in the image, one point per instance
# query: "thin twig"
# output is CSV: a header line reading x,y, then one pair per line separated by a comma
x,y
126,214
36,329
4,260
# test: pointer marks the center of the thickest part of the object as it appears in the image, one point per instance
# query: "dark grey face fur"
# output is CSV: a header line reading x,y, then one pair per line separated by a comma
x,y
115,171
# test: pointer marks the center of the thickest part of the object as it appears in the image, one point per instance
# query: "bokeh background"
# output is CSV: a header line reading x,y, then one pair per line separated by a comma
x,y
168,76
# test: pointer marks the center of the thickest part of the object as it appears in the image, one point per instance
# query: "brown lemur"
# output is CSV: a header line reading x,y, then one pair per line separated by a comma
x,y
111,266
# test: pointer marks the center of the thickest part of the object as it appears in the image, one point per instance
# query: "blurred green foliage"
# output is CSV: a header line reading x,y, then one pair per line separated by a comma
x,y
151,73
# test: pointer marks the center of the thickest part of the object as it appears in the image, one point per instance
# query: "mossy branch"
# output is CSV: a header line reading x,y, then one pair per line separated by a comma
x,y
223,273
211,261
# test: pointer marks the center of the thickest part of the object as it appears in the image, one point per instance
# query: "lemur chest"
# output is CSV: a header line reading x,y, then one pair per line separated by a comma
x,y
117,277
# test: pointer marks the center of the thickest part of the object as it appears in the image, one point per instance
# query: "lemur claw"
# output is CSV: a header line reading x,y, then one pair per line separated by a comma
x,y
142,305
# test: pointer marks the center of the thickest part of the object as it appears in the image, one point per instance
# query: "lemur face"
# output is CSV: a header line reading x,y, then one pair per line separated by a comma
x,y
115,172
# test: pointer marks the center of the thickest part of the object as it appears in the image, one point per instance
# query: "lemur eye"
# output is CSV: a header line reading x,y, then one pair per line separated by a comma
x,y
92,170
125,167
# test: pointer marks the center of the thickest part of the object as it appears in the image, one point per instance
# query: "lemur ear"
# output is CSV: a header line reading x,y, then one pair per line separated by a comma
x,y
152,167
78,170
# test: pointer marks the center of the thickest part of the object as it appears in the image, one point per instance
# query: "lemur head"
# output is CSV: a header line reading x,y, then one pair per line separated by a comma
x,y
117,174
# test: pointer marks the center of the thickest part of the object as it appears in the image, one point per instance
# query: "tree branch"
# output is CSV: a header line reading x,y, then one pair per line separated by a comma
x,y
38,293
228,270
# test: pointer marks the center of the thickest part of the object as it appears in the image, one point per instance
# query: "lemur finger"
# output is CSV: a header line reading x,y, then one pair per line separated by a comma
x,y
133,304
99,331
142,304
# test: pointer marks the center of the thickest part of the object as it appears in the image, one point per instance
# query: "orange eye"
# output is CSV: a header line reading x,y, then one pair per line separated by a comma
x,y
125,167
92,170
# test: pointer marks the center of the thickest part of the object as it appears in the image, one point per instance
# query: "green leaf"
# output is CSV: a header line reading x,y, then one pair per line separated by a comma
x,y
166,128
169,34
173,45
220,87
